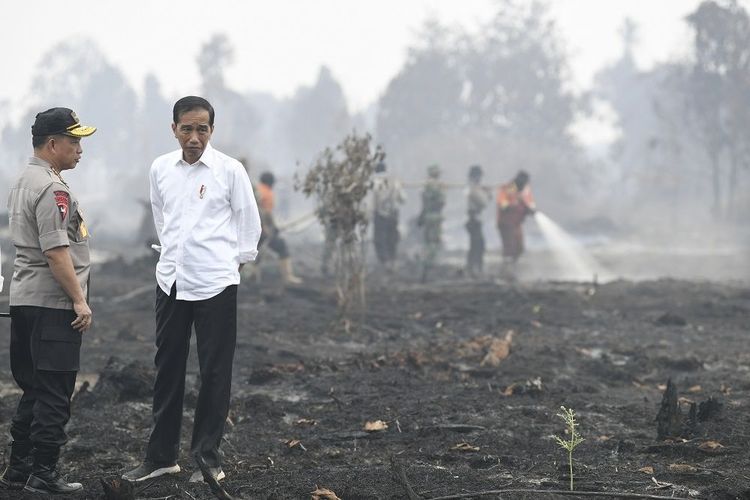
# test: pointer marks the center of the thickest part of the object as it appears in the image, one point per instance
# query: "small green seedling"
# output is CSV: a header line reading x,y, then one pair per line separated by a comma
x,y
569,417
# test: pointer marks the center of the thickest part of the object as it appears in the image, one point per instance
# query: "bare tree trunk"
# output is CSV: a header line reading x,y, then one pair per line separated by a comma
x,y
362,272
716,183
734,168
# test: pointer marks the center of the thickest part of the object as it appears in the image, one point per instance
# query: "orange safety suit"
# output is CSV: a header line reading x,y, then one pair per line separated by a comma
x,y
512,208
270,232
265,198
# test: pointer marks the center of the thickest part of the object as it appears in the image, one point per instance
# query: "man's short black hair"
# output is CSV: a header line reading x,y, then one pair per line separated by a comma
x,y
189,103
475,172
522,178
37,141
268,179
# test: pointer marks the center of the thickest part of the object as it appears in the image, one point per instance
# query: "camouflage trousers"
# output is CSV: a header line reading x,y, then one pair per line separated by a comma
x,y
431,245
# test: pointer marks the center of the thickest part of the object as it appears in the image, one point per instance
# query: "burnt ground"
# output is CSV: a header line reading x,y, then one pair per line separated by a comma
x,y
454,423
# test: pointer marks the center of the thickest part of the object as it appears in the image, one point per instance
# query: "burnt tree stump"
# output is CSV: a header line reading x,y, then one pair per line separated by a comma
x,y
669,419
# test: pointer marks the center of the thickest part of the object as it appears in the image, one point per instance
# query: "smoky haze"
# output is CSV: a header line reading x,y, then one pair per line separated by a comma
x,y
674,182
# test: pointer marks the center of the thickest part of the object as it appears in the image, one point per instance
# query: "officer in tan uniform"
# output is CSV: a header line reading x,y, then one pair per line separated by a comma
x,y
48,301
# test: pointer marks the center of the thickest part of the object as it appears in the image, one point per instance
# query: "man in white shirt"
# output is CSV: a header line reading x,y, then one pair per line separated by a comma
x,y
208,225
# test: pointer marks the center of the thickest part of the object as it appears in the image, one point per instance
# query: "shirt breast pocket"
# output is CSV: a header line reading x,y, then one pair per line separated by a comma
x,y
78,230
214,196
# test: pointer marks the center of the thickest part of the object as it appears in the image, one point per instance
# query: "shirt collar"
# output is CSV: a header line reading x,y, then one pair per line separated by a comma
x,y
33,160
208,158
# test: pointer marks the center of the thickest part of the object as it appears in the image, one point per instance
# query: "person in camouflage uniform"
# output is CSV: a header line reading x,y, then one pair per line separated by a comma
x,y
431,219
476,202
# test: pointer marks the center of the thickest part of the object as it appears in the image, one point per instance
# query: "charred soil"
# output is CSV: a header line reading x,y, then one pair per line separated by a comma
x,y
465,377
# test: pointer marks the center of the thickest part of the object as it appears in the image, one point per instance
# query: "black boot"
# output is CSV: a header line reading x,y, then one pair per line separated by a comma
x,y
19,466
44,477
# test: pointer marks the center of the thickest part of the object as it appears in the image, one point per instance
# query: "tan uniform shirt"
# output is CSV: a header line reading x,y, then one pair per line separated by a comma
x,y
44,214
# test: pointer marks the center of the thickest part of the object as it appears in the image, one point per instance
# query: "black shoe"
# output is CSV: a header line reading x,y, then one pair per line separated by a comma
x,y
49,482
14,479
150,470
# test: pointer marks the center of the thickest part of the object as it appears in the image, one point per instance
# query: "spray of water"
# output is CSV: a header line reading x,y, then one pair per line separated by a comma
x,y
575,263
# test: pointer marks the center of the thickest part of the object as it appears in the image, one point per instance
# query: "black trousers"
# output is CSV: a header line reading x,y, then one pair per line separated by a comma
x,y
279,246
215,322
385,237
273,240
44,359
475,257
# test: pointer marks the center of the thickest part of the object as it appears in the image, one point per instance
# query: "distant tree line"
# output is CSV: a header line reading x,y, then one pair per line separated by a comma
x,y
684,146
499,96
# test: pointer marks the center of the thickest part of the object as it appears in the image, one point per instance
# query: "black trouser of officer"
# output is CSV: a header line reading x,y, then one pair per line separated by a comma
x,y
215,321
475,257
44,359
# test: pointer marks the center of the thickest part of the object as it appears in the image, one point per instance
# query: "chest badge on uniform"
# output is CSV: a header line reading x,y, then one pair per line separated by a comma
x,y
83,229
202,191
62,200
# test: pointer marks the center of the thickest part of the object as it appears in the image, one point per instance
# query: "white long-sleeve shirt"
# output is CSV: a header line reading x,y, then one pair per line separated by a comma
x,y
207,221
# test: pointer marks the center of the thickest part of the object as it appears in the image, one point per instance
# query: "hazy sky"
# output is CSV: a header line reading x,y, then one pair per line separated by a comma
x,y
280,44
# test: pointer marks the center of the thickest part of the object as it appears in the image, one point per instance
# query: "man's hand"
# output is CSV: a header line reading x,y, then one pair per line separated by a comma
x,y
84,317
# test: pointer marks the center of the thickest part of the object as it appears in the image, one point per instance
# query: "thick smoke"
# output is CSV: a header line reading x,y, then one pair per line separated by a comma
x,y
674,181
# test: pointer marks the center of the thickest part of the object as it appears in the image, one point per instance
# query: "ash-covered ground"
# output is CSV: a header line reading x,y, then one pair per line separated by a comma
x,y
430,362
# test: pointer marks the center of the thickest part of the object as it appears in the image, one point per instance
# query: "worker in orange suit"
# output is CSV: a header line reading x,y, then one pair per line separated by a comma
x,y
270,236
514,203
